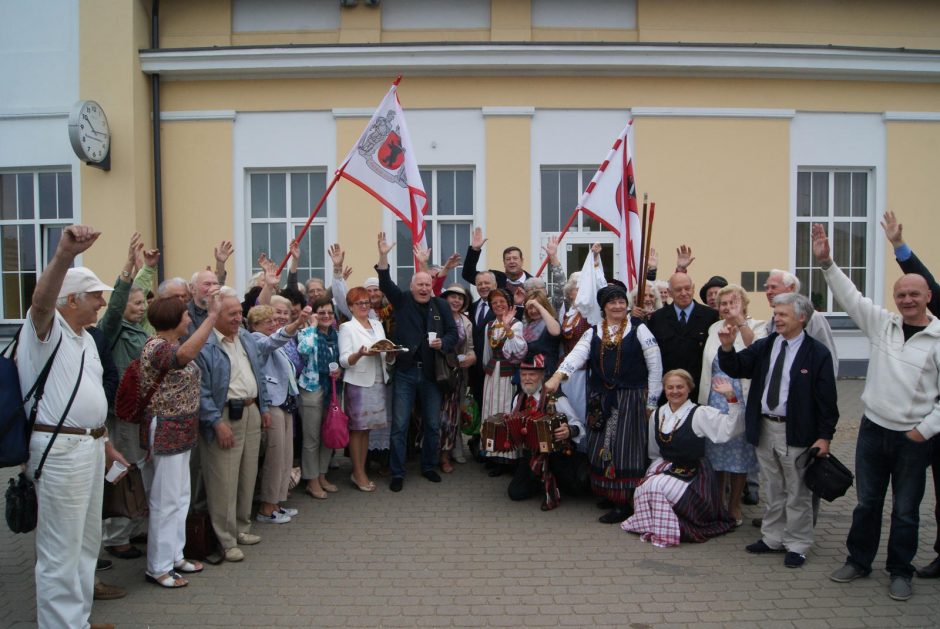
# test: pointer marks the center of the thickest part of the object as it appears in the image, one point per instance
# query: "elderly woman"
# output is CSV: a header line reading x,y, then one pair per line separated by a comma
x,y
319,347
736,457
624,380
170,376
542,331
505,348
365,379
277,370
678,499
651,302
452,402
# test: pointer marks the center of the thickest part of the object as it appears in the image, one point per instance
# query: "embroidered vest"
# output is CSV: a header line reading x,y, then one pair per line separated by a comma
x,y
682,446
607,372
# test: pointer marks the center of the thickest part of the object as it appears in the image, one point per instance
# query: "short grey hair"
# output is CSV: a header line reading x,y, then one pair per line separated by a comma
x,y
228,291
314,279
802,306
173,281
661,285
650,290
571,284
789,280
533,283
63,301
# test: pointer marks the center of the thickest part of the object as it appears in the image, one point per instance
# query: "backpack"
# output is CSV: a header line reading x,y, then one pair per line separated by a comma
x,y
128,404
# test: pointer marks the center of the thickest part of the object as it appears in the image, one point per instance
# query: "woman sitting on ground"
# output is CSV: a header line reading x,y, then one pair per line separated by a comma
x,y
679,498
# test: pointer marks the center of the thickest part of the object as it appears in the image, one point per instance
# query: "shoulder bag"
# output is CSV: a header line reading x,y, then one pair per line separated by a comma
x,y
446,367
335,429
826,476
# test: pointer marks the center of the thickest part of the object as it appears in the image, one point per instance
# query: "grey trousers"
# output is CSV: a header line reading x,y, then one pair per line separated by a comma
x,y
788,518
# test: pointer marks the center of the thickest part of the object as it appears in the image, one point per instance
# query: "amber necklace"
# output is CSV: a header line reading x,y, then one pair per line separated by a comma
x,y
609,341
571,323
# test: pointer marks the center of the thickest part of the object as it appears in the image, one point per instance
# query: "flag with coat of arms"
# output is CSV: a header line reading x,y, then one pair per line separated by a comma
x,y
383,164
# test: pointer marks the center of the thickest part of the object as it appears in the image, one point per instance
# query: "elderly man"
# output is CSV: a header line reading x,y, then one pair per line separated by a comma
x,y
200,286
910,263
69,487
781,282
233,409
902,412
681,328
549,472
417,313
512,275
791,408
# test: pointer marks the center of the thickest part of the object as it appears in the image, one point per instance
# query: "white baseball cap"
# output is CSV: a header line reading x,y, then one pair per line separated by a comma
x,y
370,282
81,279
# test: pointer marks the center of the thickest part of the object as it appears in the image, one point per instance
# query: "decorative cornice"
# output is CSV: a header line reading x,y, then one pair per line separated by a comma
x,y
912,116
525,112
33,114
353,112
556,59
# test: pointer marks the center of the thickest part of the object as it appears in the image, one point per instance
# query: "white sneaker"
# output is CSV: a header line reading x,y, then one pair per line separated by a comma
x,y
457,452
287,511
276,517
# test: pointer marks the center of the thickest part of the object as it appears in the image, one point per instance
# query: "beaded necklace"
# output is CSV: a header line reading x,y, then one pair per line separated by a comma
x,y
662,419
609,341
570,324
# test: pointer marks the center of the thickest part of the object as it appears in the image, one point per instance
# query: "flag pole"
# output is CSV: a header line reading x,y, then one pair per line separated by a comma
x,y
303,231
645,250
560,236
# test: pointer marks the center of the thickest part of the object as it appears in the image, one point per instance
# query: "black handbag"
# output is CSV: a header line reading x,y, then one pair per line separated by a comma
x,y
125,498
826,476
446,372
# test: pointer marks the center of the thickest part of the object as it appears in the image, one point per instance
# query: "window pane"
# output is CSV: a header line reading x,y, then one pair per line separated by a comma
x,y
27,248
445,193
841,247
859,245
549,184
11,296
404,258
278,241
300,206
277,195
819,291
52,237
820,194
11,257
589,224
803,244
568,192
464,192
317,188
859,194
7,197
803,276
47,195
27,286
259,198
803,189
842,194
65,195
25,197
260,242
317,238
462,240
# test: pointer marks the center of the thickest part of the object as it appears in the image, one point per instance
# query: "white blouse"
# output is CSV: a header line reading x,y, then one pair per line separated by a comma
x,y
708,422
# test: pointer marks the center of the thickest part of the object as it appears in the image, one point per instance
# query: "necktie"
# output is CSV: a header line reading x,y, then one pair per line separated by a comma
x,y
481,314
531,404
682,317
773,389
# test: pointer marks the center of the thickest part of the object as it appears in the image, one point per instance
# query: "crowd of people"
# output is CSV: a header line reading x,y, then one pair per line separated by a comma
x,y
663,407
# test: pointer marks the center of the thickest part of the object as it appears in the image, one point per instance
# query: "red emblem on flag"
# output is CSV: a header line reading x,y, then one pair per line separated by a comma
x,y
391,153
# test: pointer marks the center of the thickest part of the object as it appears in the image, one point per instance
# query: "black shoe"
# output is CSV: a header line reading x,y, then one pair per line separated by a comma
x,y
496,471
792,560
605,504
396,484
432,476
103,564
131,553
931,570
614,516
757,522
750,498
759,547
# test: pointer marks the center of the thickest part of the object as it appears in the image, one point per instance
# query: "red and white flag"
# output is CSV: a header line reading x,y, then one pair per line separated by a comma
x,y
383,164
610,198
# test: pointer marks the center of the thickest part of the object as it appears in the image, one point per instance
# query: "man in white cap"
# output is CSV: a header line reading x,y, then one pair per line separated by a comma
x,y
69,490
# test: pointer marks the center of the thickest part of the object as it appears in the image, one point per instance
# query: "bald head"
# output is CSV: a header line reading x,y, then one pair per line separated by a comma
x,y
202,284
680,289
421,287
911,296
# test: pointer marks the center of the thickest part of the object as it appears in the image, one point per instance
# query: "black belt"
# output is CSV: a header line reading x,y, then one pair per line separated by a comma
x,y
94,433
774,418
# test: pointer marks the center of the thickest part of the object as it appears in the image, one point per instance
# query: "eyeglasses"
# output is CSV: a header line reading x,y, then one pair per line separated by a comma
x,y
325,313
362,303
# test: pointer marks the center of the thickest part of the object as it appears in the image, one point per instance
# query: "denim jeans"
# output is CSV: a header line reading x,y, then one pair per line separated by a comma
x,y
883,456
408,384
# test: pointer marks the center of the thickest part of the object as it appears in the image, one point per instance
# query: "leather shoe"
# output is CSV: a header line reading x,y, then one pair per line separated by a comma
x,y
931,570
129,553
234,554
105,592
614,516
432,476
103,564
757,522
397,484
793,560
248,539
759,548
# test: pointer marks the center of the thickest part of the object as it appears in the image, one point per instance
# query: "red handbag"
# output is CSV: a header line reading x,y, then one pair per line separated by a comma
x,y
334,432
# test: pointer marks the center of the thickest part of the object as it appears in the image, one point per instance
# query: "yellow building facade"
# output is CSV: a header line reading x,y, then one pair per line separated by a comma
x,y
751,120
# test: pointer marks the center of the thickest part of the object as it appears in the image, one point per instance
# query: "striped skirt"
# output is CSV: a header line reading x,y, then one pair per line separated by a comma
x,y
618,450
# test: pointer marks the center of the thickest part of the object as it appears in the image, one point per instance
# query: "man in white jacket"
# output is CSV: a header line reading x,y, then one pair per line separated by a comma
x,y
902,412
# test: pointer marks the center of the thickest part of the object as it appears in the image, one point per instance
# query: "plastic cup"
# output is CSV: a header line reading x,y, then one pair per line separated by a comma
x,y
117,468
461,357
333,367
431,336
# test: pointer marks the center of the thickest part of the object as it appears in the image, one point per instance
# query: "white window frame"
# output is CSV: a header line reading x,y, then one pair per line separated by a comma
x,y
869,221
41,229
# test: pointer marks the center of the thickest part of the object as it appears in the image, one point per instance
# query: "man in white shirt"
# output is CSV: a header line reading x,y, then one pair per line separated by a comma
x,y
69,488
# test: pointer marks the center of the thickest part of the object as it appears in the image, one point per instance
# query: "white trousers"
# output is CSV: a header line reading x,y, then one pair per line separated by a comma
x,y
788,518
68,534
166,478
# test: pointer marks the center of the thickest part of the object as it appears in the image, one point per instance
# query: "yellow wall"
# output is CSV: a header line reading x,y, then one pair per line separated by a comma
x,y
184,23
508,202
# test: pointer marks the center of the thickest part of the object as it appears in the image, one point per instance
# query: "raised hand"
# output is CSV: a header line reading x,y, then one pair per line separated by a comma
x,y
214,302
821,245
422,255
347,272
151,257
653,259
134,249
596,249
294,249
223,251
892,229
726,335
77,239
383,245
551,248
476,239
684,258
723,386
452,262
337,255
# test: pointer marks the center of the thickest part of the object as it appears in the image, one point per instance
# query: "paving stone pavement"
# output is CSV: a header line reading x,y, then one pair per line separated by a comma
x,y
461,554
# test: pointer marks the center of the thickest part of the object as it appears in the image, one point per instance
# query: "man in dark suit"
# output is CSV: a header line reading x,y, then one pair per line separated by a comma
x,y
417,313
791,407
681,328
480,314
910,263
512,277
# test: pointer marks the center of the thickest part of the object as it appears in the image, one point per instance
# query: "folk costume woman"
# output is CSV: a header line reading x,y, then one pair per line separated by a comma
x,y
679,499
624,367
451,443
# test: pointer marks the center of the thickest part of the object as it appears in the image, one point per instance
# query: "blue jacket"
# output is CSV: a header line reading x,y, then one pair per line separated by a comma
x,y
276,371
217,370
812,411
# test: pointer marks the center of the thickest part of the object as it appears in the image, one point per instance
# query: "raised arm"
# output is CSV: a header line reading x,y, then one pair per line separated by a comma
x,y
110,323
221,254
386,285
909,262
469,272
189,350
75,240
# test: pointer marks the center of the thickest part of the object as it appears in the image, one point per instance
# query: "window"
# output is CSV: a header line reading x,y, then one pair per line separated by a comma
x,y
447,222
839,200
279,205
561,189
34,209
597,14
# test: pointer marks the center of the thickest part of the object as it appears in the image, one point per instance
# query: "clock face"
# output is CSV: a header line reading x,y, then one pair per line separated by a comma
x,y
89,130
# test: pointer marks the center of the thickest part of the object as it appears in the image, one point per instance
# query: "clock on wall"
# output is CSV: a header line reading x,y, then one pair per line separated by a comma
x,y
90,134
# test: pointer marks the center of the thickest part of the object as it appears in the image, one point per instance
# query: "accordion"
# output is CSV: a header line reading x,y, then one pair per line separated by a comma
x,y
495,439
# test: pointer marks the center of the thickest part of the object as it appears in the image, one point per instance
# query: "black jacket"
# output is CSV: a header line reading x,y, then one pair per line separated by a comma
x,y
914,265
413,321
681,346
469,272
812,411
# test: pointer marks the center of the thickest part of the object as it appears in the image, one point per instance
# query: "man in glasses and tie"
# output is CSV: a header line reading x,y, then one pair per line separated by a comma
x,y
791,407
